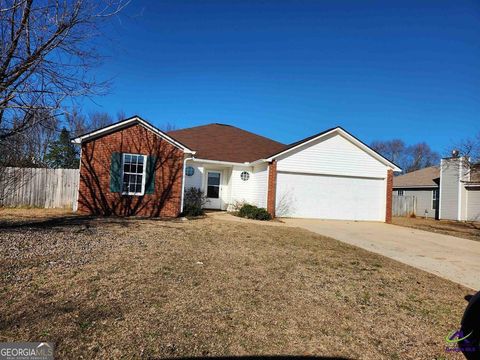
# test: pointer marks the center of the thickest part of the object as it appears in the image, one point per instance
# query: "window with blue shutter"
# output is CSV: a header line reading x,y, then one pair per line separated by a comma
x,y
132,174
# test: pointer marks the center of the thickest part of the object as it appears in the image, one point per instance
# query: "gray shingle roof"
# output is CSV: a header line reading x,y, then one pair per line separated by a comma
x,y
420,178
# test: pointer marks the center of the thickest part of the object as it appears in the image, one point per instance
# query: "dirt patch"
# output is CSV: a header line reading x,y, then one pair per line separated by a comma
x,y
113,288
466,230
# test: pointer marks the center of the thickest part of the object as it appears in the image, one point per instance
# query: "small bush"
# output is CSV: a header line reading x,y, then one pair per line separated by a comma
x,y
193,202
252,212
237,205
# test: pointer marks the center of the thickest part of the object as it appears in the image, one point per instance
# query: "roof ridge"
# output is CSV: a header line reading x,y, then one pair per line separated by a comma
x,y
231,126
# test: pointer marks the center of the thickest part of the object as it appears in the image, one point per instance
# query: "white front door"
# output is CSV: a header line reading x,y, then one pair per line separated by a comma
x,y
214,189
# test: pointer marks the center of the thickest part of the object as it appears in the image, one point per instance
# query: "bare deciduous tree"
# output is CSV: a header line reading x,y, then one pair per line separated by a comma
x,y
409,158
168,126
421,156
97,120
469,148
394,150
46,52
76,121
79,124
29,147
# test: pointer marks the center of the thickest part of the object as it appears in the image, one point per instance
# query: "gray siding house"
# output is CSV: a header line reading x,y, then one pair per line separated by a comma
x,y
450,191
424,186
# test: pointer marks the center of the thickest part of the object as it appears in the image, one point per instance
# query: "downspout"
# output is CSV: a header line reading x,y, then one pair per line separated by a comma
x,y
183,182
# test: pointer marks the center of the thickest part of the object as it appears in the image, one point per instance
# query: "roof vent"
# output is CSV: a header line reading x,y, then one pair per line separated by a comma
x,y
455,153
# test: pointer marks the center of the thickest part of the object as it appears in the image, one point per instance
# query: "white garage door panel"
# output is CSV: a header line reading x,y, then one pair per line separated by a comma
x,y
330,197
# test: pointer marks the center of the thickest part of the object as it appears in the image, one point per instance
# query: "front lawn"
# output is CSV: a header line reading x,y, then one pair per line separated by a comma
x,y
112,288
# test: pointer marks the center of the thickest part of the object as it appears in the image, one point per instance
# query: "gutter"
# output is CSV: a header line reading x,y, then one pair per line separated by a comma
x,y
221,162
182,195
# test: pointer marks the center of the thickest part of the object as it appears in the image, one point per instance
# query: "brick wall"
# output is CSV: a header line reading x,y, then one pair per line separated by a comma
x,y
272,187
95,196
388,213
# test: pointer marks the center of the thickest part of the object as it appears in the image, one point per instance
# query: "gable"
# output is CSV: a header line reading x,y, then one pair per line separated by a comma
x,y
333,154
123,124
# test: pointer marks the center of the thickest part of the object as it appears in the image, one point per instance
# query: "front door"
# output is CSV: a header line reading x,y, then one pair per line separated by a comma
x,y
214,179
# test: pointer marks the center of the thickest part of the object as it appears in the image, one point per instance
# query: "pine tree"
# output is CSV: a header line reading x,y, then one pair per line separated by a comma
x,y
62,153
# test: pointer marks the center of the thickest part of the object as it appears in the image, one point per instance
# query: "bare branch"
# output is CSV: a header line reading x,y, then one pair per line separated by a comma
x,y
46,54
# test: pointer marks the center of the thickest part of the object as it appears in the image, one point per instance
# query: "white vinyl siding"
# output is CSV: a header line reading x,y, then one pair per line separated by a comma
x,y
196,179
260,185
334,155
234,189
241,191
473,205
331,178
450,189
330,197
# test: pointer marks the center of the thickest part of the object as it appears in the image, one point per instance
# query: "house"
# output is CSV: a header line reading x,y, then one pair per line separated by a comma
x,y
423,184
459,190
450,191
133,168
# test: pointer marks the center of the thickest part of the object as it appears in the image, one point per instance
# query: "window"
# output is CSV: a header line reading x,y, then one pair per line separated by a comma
x,y
244,176
133,174
435,199
189,171
400,193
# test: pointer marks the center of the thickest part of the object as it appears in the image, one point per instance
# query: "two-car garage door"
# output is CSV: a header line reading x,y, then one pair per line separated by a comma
x,y
330,197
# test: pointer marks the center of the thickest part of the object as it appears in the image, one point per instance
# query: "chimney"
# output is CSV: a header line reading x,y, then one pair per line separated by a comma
x,y
453,173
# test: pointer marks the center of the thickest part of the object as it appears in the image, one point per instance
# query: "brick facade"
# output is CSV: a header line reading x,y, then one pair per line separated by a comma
x,y
95,196
272,187
388,213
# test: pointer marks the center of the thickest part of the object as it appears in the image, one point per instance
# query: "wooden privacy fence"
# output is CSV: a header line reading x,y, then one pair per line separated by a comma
x,y
404,205
39,187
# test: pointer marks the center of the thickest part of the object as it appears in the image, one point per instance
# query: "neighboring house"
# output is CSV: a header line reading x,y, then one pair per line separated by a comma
x,y
450,191
133,168
459,190
424,185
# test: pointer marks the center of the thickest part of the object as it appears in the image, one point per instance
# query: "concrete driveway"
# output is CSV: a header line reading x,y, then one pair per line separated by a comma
x,y
450,257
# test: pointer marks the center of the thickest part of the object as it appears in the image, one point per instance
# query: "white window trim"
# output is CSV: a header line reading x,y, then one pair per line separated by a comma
x,y
143,175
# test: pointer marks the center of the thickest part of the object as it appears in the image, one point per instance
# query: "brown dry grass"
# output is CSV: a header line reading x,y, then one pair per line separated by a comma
x,y
112,288
466,230
30,214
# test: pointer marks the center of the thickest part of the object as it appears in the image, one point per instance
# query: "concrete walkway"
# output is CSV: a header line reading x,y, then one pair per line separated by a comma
x,y
452,258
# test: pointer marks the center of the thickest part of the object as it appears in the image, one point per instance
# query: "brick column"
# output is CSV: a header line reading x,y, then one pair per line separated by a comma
x,y
272,187
388,212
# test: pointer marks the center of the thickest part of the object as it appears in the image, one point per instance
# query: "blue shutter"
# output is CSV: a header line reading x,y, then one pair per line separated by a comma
x,y
116,172
150,174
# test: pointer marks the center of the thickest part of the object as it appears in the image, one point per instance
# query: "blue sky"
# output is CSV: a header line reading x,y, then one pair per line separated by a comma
x,y
288,69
